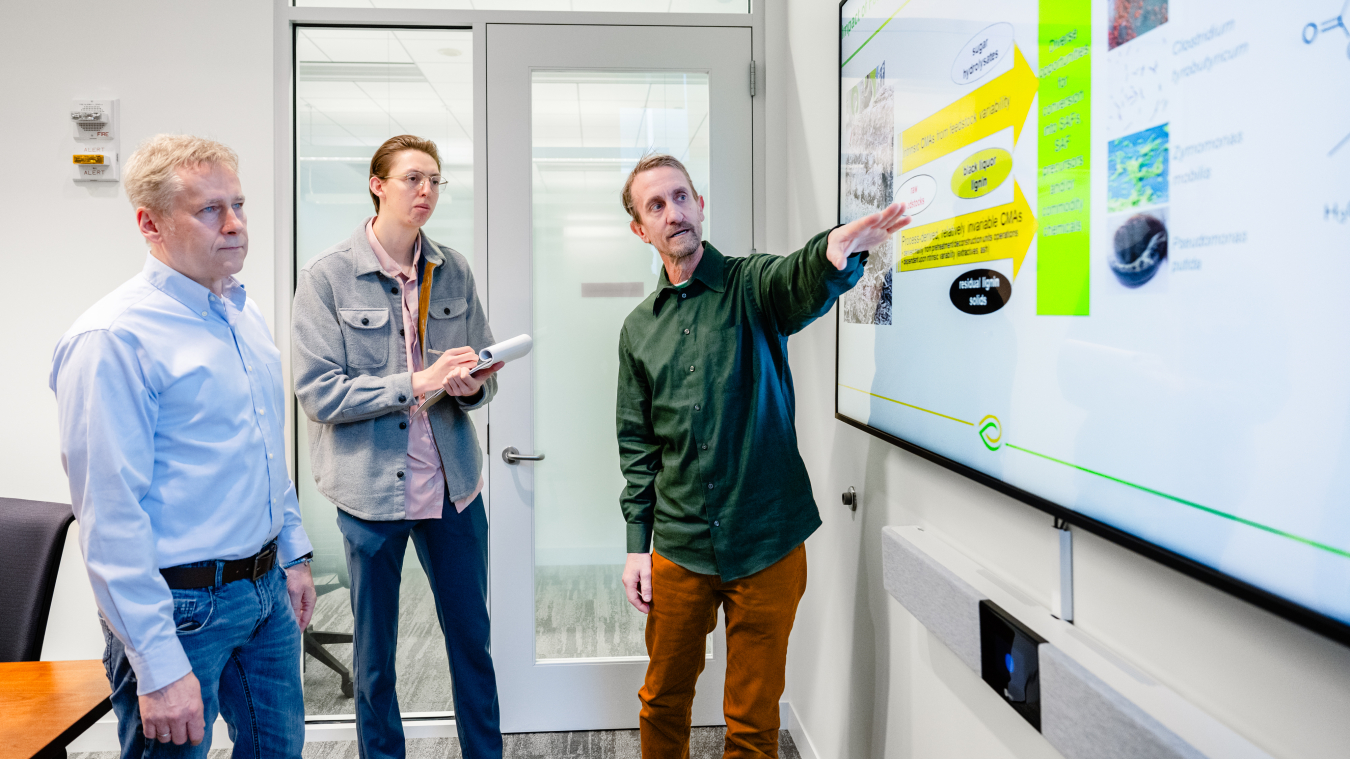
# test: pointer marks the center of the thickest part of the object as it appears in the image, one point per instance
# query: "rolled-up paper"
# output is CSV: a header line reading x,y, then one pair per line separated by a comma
x,y
506,350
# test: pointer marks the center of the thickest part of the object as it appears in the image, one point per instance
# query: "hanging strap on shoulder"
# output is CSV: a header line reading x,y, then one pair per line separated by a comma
x,y
428,269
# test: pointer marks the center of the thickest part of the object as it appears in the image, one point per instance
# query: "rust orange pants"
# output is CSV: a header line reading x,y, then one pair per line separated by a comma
x,y
760,610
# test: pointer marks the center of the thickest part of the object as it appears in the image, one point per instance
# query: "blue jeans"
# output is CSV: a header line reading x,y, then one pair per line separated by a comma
x,y
244,646
453,551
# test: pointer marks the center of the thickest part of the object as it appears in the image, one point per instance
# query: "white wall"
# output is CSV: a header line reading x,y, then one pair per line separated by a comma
x,y
864,678
177,67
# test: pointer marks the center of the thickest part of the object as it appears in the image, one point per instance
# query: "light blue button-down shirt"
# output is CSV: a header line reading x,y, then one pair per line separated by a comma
x,y
170,405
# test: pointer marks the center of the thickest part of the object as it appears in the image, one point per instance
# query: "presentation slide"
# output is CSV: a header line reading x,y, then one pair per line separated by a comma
x,y
1119,290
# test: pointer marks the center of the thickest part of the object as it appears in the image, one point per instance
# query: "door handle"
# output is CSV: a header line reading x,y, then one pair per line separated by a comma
x,y
513,456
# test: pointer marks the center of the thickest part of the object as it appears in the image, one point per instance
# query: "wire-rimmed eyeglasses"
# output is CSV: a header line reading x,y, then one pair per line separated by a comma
x,y
414,180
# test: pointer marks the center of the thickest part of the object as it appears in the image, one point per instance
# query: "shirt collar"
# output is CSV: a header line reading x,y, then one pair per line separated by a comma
x,y
387,261
368,263
711,271
176,285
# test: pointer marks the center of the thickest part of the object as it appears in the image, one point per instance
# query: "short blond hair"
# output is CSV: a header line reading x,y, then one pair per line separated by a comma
x,y
151,178
647,163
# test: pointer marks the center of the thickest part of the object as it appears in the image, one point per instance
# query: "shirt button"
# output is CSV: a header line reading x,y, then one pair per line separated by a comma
x,y
403,425
691,368
203,313
684,295
262,412
400,333
400,475
705,446
270,456
394,290
710,486
403,399
686,332
364,320
716,523
249,367
696,407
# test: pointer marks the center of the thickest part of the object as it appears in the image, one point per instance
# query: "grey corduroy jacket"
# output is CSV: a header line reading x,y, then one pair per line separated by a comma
x,y
353,381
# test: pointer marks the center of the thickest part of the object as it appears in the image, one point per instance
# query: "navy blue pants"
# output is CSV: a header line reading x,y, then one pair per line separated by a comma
x,y
454,552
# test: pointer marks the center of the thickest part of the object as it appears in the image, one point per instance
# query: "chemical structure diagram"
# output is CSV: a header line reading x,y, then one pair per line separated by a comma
x,y
1312,29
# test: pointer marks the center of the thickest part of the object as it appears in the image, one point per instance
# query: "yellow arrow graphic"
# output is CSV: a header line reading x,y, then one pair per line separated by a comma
x,y
1000,232
1000,104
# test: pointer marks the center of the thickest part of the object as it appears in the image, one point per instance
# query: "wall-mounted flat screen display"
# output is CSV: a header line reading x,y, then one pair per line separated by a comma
x,y
1124,293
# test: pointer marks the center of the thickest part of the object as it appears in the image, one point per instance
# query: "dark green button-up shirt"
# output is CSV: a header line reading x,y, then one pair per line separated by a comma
x,y
707,440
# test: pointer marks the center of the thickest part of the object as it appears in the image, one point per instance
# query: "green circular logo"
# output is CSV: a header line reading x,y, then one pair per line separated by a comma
x,y
991,432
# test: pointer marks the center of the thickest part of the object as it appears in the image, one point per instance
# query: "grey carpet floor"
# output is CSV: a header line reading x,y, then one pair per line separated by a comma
x,y
580,611
421,663
704,743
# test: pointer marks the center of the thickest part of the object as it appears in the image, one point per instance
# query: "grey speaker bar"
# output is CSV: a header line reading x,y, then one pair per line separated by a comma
x,y
941,601
1084,717
1092,705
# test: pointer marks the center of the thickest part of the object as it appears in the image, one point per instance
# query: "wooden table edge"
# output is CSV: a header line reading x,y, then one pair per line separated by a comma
x,y
91,714
78,728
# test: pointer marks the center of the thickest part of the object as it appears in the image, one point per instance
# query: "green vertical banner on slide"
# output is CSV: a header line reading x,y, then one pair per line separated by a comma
x,y
1065,101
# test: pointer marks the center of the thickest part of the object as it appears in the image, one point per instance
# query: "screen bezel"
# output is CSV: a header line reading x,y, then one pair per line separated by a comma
x,y
1299,614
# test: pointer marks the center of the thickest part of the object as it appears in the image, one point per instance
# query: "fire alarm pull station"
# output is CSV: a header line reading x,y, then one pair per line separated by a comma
x,y
94,151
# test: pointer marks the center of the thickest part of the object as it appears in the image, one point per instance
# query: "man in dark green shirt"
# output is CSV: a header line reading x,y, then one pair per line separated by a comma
x,y
708,447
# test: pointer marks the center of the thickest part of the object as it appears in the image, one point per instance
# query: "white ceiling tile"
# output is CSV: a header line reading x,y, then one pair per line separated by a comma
x,y
438,72
334,3
307,50
384,49
309,89
426,47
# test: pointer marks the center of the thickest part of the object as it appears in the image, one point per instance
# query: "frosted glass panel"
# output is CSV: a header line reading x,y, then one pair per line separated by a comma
x,y
354,89
590,271
613,6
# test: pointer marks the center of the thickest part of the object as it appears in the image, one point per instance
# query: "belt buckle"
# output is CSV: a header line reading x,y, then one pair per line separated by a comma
x,y
258,560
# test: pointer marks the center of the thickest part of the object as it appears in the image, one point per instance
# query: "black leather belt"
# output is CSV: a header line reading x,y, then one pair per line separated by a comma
x,y
251,568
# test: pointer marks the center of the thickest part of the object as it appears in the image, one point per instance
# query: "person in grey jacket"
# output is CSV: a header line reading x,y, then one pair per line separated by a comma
x,y
380,321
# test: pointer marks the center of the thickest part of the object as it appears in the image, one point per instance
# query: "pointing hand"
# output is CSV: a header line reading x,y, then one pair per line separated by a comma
x,y
864,234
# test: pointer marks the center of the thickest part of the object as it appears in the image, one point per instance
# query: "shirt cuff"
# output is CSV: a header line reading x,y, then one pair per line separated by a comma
x,y
161,665
856,260
292,543
401,390
639,538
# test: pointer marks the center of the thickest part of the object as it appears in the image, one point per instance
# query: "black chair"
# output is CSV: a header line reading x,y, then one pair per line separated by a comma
x,y
34,536
330,574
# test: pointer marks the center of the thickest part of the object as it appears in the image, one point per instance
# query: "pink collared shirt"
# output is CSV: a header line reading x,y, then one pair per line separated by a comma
x,y
424,493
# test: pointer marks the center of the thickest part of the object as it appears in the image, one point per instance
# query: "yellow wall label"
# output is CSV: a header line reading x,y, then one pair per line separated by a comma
x,y
980,173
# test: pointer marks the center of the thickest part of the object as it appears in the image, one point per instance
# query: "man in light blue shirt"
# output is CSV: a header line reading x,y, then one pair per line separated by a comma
x,y
169,393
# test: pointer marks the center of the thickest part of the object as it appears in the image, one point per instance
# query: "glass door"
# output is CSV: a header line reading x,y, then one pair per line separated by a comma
x,y
570,110
355,88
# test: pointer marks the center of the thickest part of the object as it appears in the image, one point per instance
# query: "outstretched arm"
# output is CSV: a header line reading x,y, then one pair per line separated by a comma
x,y
795,290
864,234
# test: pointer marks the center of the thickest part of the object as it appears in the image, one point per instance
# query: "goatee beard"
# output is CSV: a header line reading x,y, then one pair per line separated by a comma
x,y
684,252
